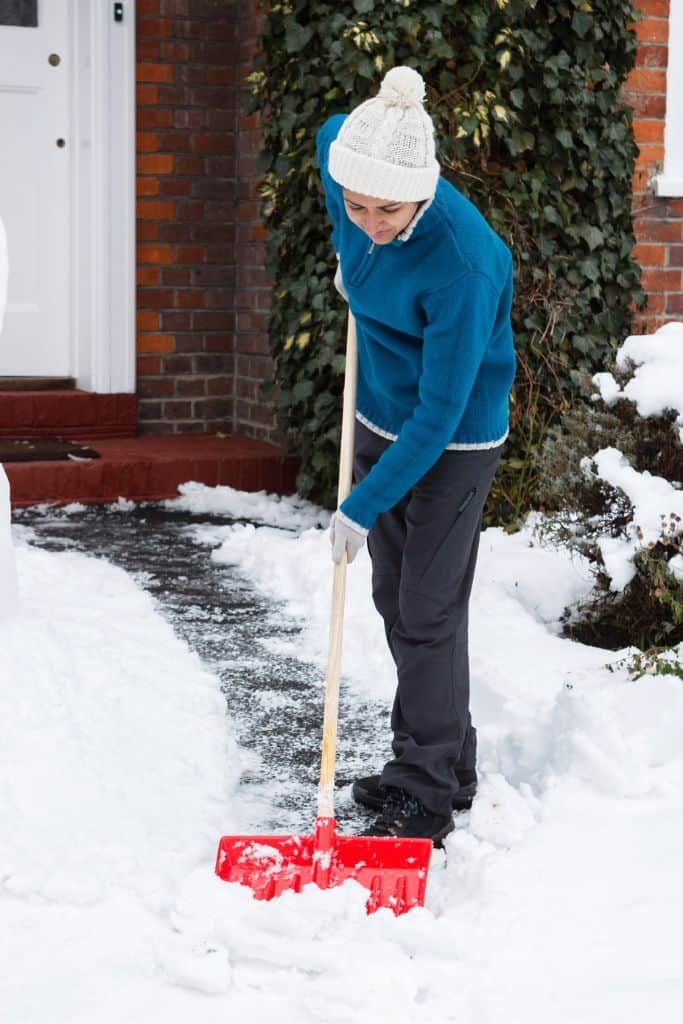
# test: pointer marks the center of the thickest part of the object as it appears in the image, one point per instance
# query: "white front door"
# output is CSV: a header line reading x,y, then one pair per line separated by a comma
x,y
36,141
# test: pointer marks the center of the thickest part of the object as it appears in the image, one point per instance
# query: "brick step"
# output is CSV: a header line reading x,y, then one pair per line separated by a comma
x,y
71,413
151,468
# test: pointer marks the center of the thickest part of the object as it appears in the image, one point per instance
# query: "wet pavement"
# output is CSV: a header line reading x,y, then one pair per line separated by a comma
x,y
274,701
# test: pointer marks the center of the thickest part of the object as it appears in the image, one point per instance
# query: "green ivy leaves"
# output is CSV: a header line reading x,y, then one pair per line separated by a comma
x,y
530,123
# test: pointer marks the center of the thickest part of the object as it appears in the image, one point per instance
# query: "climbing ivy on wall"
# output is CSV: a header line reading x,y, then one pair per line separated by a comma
x,y
525,97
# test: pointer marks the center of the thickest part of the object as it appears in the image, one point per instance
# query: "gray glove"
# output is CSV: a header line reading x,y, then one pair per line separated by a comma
x,y
345,534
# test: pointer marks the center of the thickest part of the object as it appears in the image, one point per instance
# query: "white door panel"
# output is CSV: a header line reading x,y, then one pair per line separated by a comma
x,y
34,190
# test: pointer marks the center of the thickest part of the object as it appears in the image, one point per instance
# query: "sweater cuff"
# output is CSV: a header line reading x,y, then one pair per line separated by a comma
x,y
355,510
351,523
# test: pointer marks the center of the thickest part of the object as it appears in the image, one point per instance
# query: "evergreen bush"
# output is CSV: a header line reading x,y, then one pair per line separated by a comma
x,y
525,96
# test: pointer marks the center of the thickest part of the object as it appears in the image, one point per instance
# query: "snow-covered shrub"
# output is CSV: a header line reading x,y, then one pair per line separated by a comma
x,y
8,571
610,488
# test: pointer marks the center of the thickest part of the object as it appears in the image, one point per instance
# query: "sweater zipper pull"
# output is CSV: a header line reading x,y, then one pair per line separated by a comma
x,y
371,248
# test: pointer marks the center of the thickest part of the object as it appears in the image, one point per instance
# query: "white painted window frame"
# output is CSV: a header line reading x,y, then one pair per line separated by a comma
x,y
670,181
103,195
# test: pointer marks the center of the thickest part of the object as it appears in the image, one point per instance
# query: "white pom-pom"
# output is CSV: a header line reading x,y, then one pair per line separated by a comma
x,y
403,87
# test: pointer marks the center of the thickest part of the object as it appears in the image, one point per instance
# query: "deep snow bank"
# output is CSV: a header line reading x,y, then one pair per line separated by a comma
x,y
115,761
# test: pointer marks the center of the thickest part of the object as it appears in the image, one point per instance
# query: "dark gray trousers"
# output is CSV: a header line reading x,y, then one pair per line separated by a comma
x,y
424,553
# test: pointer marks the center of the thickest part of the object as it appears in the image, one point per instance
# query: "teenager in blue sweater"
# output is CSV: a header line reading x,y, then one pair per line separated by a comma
x,y
430,285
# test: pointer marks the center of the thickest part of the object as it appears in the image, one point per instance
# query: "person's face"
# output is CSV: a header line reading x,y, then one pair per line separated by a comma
x,y
381,219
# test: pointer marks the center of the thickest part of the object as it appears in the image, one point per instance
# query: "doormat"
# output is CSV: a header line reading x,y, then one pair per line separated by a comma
x,y
37,383
42,449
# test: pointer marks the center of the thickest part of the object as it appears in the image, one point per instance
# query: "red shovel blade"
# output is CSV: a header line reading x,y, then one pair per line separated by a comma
x,y
394,870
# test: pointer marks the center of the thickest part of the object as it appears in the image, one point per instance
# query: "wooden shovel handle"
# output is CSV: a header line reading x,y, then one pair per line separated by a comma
x,y
329,751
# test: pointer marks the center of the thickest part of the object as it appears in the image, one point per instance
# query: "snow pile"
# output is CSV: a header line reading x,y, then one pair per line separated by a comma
x,y
657,381
656,385
114,757
8,572
290,512
656,506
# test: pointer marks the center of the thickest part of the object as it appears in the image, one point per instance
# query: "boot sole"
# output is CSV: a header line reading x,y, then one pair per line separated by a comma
x,y
367,798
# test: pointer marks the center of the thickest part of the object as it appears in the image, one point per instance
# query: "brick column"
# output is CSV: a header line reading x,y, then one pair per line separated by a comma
x,y
186,52
202,294
658,221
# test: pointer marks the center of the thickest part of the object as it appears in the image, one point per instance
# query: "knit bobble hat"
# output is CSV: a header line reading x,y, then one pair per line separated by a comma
x,y
385,148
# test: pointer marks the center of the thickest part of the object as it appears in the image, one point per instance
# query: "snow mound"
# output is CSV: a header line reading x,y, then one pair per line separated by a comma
x,y
657,505
656,381
114,757
290,512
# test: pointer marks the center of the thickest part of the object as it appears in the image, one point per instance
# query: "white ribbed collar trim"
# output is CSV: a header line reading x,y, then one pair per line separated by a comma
x,y
407,232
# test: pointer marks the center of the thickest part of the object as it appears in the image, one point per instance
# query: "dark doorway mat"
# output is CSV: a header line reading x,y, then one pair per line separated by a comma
x,y
37,384
41,449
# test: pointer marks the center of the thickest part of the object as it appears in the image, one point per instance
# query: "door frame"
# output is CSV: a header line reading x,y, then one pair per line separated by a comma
x,y
103,195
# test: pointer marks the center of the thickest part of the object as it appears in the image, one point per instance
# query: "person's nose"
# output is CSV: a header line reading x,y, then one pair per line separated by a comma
x,y
372,221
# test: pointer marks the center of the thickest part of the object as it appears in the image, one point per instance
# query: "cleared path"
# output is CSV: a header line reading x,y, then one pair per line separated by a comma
x,y
274,702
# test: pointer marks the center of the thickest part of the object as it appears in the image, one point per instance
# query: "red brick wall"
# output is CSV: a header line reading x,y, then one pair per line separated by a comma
x,y
658,221
253,363
201,293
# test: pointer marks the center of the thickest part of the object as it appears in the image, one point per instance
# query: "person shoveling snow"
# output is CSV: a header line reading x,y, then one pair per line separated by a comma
x,y
436,365
432,418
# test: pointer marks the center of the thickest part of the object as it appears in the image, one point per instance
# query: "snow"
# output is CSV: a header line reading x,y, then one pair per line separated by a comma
x,y
290,512
656,384
557,895
656,503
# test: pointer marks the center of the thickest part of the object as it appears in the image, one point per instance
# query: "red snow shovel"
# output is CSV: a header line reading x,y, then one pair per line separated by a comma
x,y
394,870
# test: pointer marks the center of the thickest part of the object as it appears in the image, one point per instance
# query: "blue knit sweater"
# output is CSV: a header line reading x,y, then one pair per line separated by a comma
x,y
435,350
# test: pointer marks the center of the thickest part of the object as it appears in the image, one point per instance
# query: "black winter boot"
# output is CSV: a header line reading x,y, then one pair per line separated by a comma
x,y
405,817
